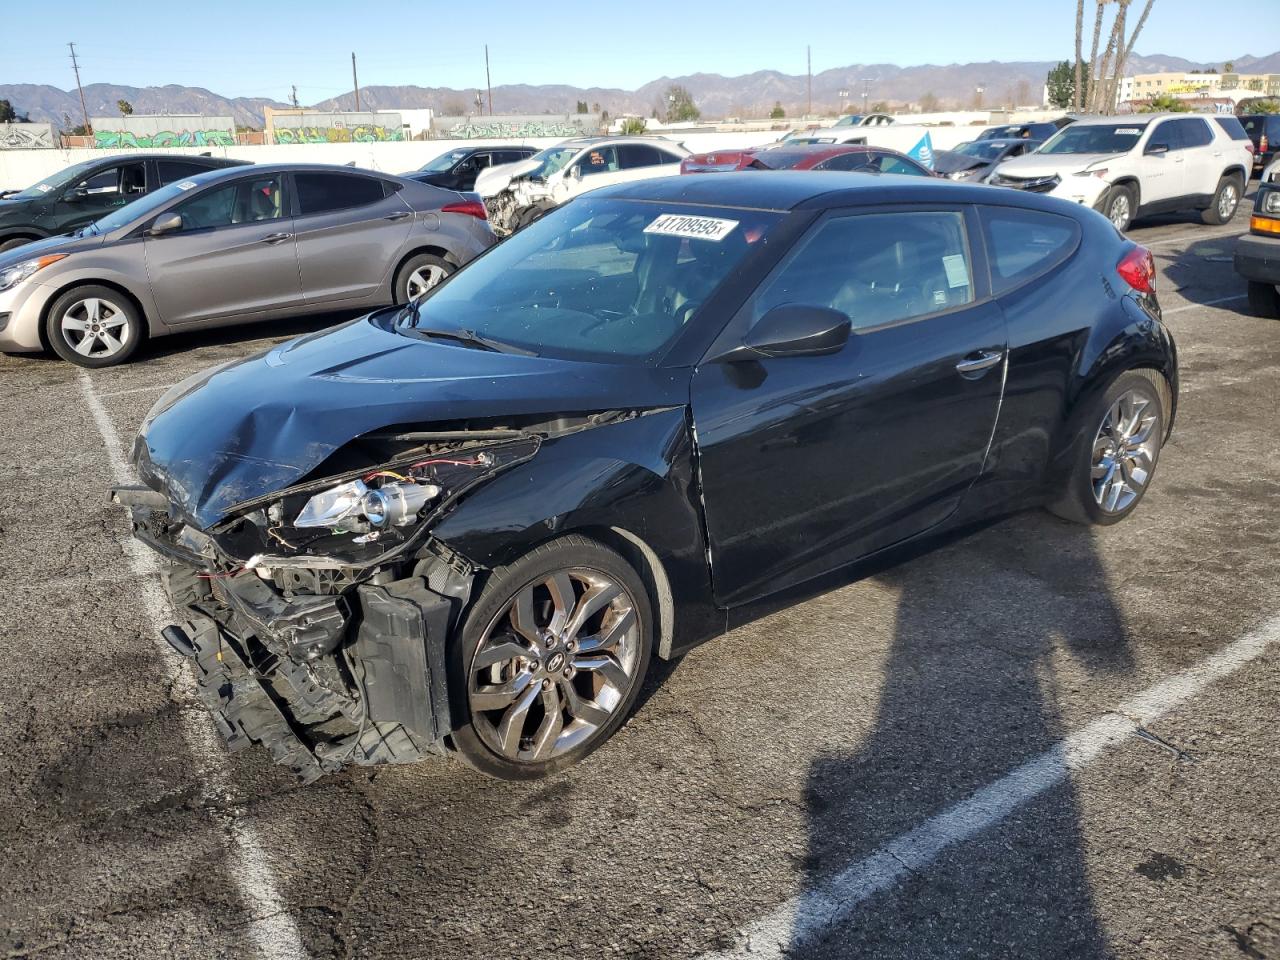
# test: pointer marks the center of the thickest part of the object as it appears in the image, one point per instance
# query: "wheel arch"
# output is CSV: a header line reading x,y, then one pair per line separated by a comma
x,y
1237,170
134,299
1132,183
417,250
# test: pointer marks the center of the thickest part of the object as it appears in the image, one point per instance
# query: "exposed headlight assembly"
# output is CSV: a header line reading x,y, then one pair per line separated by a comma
x,y
354,507
14,275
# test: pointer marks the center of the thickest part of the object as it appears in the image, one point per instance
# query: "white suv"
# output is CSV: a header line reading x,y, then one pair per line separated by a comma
x,y
517,194
1133,166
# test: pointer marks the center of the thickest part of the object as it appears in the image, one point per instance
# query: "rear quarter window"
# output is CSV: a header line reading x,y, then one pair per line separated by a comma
x,y
1024,245
1233,128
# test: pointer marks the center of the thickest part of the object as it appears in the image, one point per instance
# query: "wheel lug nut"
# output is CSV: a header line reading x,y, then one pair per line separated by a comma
x,y
571,646
550,641
568,673
546,684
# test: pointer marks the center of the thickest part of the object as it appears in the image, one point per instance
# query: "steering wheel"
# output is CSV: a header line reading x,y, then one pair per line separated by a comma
x,y
686,311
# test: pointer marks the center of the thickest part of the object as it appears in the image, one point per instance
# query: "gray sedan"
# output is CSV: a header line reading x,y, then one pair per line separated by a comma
x,y
234,246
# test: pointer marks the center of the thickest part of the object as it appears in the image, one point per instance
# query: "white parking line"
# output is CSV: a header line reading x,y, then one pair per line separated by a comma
x,y
1191,236
125,393
1207,303
272,929
804,919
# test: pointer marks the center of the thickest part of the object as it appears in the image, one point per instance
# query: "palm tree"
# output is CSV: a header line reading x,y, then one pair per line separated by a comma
x,y
1128,49
1075,93
1093,57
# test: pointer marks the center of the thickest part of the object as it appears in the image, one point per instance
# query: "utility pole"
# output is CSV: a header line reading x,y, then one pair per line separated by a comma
x,y
808,55
487,79
354,82
83,109
293,97
866,90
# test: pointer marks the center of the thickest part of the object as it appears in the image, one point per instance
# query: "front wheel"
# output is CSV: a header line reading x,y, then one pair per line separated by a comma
x,y
94,326
1116,457
1119,207
1225,201
550,659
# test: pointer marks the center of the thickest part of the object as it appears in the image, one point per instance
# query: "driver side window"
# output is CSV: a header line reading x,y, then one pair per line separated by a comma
x,y
598,160
245,201
126,179
877,268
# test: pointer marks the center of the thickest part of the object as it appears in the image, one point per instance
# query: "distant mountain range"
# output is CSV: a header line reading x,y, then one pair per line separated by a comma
x,y
751,95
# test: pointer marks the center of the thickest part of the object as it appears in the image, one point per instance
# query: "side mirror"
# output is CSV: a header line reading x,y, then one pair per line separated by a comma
x,y
576,171
166,223
793,330
1157,149
76,195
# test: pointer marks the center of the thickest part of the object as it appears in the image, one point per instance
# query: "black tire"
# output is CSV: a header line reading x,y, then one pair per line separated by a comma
x,y
1264,299
7,245
530,215
1120,205
1214,215
121,323
503,585
428,267
1077,501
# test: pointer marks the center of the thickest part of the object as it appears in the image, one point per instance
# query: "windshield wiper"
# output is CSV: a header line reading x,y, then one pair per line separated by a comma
x,y
472,339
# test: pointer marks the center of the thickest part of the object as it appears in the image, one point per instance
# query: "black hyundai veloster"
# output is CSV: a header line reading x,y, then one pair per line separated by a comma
x,y
467,526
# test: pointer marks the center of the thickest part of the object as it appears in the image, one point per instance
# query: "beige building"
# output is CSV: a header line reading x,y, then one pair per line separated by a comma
x,y
1144,86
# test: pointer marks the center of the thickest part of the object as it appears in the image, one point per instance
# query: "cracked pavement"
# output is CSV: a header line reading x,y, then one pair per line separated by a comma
x,y
758,766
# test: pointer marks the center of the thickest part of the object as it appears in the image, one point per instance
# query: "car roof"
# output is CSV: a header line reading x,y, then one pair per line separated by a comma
x,y
795,189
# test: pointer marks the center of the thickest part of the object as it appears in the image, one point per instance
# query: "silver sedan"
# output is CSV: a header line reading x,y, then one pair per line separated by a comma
x,y
234,246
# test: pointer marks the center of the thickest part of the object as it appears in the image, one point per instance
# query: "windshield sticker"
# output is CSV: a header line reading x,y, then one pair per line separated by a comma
x,y
1122,131
185,185
44,188
695,228
957,275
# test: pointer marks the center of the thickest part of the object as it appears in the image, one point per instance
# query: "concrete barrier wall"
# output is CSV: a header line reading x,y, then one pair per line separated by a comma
x,y
22,168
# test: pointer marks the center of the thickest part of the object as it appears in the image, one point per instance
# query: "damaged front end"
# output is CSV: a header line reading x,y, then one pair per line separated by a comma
x,y
316,617
521,202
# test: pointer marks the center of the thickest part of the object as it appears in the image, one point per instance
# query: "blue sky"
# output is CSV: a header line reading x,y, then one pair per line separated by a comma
x,y
239,48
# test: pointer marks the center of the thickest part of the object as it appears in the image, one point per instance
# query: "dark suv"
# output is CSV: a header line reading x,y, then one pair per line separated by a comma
x,y
80,194
458,169
1264,130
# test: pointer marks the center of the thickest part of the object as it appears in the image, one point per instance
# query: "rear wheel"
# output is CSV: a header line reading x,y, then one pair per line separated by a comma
x,y
1226,199
1119,207
1117,452
550,659
1264,299
94,326
419,274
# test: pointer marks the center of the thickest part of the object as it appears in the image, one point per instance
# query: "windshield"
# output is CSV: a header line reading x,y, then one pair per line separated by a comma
x,y
610,281
1095,138
55,182
140,208
982,149
445,162
551,160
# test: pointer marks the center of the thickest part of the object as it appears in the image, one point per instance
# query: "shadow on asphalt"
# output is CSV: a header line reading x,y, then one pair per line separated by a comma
x,y
969,695
242,333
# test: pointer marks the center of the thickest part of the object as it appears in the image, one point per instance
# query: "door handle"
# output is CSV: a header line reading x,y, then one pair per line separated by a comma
x,y
277,238
975,365
399,215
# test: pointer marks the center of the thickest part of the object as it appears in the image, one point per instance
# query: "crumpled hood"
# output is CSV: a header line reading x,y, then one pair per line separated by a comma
x,y
949,161
493,180
250,428
1048,164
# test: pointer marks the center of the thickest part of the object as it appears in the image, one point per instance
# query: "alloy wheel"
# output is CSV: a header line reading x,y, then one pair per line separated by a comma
x,y
96,328
1124,452
1120,211
1227,201
554,665
423,279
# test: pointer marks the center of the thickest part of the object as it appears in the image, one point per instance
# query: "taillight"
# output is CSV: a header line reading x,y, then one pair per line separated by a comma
x,y
1262,144
1249,146
1138,270
471,208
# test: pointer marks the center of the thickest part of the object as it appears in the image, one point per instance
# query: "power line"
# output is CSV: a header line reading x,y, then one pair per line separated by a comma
x,y
83,109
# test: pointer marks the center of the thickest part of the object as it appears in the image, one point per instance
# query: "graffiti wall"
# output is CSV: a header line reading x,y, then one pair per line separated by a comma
x,y
119,133
317,126
27,136
516,126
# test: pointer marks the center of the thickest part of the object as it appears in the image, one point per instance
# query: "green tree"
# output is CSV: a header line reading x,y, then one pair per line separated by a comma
x,y
582,106
929,103
633,126
777,113
1061,81
1264,106
7,113
880,106
125,108
680,105
1229,67
1166,103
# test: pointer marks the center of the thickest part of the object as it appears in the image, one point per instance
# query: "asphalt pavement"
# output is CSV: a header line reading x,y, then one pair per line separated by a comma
x,y
1041,740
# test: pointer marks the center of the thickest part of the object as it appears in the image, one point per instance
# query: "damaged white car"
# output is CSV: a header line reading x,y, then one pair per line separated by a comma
x,y
516,194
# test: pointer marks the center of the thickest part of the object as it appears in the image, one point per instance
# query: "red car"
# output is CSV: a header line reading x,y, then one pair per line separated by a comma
x,y
818,156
